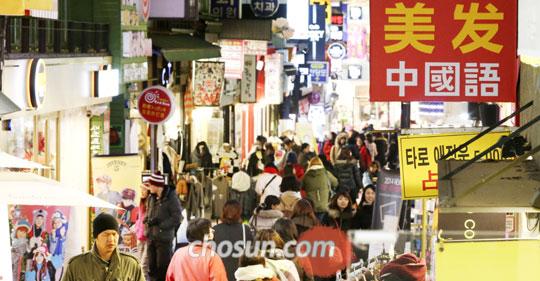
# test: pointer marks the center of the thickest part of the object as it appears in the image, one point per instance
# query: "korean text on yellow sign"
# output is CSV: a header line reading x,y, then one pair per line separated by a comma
x,y
418,157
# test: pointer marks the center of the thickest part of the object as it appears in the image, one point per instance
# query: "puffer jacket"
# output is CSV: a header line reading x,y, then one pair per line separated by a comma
x,y
349,177
168,214
317,183
265,219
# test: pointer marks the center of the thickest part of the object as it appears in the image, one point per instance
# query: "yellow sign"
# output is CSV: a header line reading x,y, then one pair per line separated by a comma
x,y
418,157
482,260
44,5
11,7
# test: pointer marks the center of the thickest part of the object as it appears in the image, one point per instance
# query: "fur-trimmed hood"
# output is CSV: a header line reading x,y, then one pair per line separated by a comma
x,y
341,136
336,214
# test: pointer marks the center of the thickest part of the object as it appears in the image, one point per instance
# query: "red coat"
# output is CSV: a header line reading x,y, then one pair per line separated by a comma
x,y
365,158
326,148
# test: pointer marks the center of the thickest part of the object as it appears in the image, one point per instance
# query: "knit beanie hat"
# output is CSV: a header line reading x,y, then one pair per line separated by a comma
x,y
104,222
157,179
407,267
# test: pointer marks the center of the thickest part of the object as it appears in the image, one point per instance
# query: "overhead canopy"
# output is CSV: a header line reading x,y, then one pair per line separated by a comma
x,y
183,47
7,105
247,30
31,189
10,161
511,191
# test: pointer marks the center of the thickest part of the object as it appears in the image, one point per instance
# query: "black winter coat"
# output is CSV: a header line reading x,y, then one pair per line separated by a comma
x,y
349,178
163,216
337,219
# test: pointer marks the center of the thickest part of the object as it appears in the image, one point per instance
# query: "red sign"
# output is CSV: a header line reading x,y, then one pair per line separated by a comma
x,y
156,104
443,50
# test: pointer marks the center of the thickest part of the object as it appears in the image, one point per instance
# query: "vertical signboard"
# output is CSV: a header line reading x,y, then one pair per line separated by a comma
x,y
444,50
248,84
316,33
274,79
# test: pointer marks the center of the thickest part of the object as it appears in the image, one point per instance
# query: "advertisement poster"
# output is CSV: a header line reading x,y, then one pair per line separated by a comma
x,y
388,200
444,50
418,156
38,241
117,179
208,83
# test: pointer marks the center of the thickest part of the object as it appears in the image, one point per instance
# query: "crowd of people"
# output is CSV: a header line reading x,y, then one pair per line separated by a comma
x,y
293,189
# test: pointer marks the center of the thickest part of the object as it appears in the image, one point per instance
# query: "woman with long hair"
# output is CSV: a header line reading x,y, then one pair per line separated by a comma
x,y
364,214
266,214
275,257
304,216
340,212
231,230
348,174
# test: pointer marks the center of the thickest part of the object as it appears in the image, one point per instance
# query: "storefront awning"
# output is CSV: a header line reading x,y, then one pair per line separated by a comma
x,y
247,30
510,191
7,105
183,47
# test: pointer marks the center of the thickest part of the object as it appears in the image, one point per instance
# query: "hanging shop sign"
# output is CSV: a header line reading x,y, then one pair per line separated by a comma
x,y
208,83
273,90
105,83
318,72
12,8
266,9
388,201
248,84
357,40
298,17
418,156
316,33
156,104
36,80
225,9
444,51
255,47
337,51
116,179
232,54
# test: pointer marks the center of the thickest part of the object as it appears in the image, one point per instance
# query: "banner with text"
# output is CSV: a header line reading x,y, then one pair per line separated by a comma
x,y
418,156
444,50
388,201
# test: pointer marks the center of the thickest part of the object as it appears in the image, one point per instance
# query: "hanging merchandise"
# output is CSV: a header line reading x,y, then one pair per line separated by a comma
x,y
208,83
220,196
